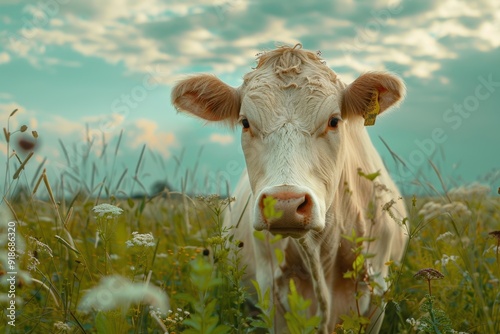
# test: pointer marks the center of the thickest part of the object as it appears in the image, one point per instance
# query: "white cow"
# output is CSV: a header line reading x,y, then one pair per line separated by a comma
x,y
304,140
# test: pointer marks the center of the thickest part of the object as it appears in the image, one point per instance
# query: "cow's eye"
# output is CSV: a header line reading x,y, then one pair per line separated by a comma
x,y
245,123
334,122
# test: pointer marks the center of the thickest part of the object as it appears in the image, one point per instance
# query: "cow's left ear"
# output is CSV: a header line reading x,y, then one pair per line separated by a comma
x,y
371,94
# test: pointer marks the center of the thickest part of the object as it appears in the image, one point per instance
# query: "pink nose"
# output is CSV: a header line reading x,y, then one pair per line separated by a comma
x,y
293,209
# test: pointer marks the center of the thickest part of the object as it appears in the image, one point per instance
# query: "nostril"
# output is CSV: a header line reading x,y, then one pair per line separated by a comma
x,y
304,208
261,202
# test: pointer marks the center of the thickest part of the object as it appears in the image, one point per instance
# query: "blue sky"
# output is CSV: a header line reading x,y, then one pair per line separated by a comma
x,y
88,70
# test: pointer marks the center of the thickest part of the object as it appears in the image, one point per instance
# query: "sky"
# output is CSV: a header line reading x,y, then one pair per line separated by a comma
x,y
99,74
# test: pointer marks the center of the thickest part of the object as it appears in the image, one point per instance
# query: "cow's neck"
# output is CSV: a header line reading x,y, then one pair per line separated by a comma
x,y
354,191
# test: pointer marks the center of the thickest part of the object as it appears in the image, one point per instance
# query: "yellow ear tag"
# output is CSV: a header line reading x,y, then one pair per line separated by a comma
x,y
372,110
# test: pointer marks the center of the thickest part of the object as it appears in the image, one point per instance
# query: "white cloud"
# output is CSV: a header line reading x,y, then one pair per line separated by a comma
x,y
4,58
276,30
55,124
145,131
221,138
422,69
222,36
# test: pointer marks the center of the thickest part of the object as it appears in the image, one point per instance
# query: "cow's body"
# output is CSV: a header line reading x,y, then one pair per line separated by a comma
x,y
305,142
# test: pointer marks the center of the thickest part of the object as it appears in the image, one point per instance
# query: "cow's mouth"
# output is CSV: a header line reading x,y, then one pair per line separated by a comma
x,y
295,233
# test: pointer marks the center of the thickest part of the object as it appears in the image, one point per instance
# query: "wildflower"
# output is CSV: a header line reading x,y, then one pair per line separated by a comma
x,y
456,208
107,210
445,259
178,317
413,323
118,292
141,240
61,327
214,200
444,235
157,312
432,210
471,191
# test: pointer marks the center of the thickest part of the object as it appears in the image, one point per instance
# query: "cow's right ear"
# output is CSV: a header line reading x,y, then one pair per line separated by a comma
x,y
207,97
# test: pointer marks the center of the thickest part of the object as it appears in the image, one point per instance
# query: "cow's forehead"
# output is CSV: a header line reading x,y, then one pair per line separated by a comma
x,y
290,85
290,75
305,99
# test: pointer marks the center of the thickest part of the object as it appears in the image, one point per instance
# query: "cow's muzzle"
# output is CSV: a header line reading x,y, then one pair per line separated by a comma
x,y
286,210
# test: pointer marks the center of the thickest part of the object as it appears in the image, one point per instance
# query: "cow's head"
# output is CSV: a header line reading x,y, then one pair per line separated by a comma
x,y
298,123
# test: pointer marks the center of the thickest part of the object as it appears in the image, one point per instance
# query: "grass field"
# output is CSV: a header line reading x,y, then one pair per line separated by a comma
x,y
92,262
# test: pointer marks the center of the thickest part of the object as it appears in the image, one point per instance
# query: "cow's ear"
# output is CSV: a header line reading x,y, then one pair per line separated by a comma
x,y
371,94
207,97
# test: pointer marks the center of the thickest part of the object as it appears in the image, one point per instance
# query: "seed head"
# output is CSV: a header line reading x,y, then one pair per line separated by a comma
x,y
428,274
495,234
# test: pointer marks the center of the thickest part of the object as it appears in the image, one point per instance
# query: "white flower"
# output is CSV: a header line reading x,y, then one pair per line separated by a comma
x,y
157,312
107,210
456,209
444,235
431,210
62,327
493,248
214,200
118,292
471,191
413,323
141,240
445,259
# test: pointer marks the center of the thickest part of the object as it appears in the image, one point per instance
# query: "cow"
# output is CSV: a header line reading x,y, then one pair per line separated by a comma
x,y
308,155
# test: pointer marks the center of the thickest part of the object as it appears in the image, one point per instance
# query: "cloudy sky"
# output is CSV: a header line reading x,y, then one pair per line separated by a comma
x,y
81,71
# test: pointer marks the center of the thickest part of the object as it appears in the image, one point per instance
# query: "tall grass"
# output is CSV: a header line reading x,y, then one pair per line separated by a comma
x,y
82,272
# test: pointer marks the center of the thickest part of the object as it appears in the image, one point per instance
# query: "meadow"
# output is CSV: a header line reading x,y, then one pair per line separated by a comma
x,y
91,258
